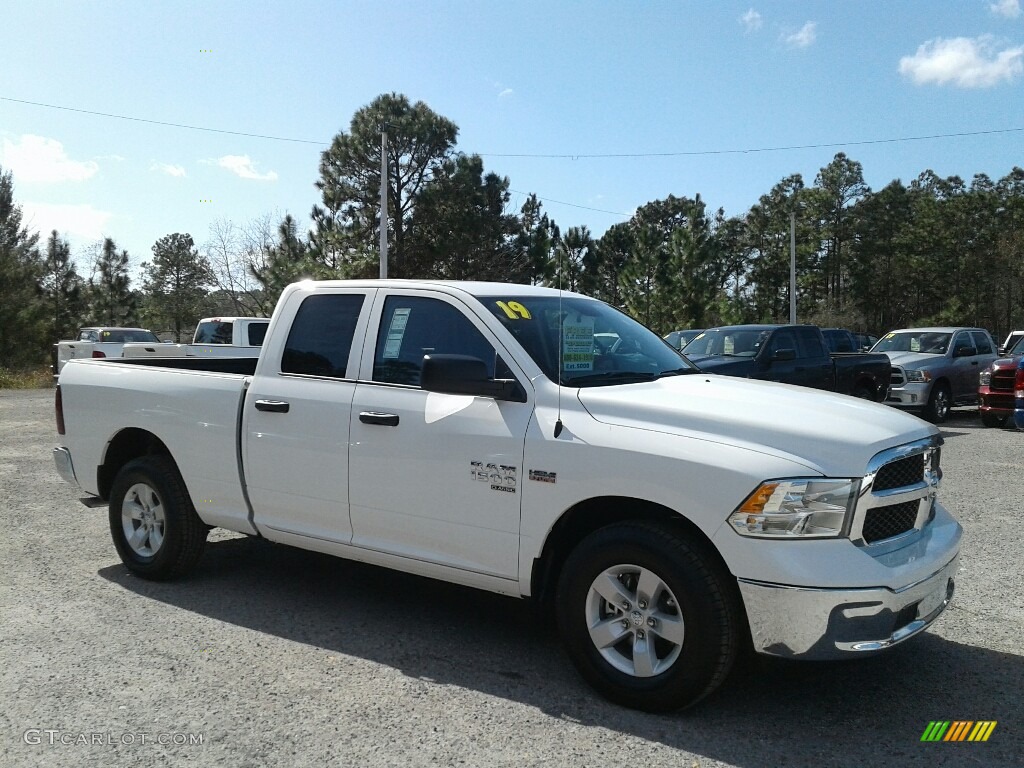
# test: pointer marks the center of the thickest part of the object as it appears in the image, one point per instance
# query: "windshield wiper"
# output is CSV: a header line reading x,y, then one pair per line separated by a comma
x,y
610,377
677,372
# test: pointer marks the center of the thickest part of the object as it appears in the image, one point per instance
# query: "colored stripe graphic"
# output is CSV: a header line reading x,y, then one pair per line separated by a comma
x,y
935,731
959,730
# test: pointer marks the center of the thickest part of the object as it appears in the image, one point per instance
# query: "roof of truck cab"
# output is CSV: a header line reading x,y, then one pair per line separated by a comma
x,y
471,287
944,329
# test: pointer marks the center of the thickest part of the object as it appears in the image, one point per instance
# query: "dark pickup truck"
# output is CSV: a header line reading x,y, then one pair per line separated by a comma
x,y
792,354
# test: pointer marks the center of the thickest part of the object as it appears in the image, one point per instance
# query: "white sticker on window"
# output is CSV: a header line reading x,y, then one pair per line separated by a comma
x,y
578,344
393,343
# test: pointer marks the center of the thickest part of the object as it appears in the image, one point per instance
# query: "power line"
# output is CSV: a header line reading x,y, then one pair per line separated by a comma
x,y
696,153
571,205
161,122
561,156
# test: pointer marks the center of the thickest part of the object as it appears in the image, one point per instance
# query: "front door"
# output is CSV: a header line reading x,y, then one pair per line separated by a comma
x,y
435,477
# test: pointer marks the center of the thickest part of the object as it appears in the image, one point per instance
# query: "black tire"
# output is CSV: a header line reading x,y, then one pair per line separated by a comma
x,y
991,420
703,597
939,403
167,537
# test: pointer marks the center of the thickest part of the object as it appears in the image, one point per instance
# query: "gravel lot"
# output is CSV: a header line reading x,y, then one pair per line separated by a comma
x,y
274,656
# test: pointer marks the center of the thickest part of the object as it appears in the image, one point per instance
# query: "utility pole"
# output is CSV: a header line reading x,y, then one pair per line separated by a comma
x,y
792,267
383,203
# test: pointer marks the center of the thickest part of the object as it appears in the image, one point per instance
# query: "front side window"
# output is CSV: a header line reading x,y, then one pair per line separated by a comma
x,y
582,342
320,338
257,332
414,326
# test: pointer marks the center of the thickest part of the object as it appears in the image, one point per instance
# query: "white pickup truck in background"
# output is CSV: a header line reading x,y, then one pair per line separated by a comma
x,y
104,341
476,433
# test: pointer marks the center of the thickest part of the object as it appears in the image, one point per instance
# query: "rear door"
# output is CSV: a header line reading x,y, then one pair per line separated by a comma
x,y
435,477
296,418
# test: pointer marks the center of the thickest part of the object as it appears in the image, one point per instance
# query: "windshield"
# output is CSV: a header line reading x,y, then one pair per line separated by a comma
x,y
732,342
599,345
928,342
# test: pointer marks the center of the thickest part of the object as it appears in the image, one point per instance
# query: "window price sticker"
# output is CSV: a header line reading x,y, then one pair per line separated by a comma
x,y
578,344
396,332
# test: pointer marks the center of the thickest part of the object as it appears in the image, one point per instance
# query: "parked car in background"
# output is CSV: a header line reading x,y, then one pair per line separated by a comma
x,y
934,369
680,339
1011,341
996,387
238,331
98,342
791,354
865,341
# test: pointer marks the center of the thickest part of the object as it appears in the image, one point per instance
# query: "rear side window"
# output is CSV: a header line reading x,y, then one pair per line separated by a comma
x,y
257,332
213,332
320,338
981,342
811,347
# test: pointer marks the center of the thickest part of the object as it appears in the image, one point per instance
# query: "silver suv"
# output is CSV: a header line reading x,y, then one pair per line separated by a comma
x,y
934,369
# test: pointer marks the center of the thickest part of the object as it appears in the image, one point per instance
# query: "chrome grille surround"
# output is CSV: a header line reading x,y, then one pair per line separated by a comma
x,y
897,378
922,492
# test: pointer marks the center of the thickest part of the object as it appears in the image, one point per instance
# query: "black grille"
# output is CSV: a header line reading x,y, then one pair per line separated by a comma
x,y
886,522
896,377
900,473
1002,379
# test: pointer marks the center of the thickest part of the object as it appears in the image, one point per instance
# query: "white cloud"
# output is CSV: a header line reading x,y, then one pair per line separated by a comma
x,y
241,165
1008,8
964,62
505,93
82,221
170,170
751,20
37,159
802,38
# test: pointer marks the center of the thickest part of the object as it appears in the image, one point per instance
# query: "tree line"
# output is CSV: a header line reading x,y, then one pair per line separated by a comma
x,y
934,251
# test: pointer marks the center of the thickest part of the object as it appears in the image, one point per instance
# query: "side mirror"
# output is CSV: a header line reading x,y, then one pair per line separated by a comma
x,y
964,351
782,355
465,375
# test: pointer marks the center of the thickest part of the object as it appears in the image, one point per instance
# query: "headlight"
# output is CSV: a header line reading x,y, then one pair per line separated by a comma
x,y
919,377
984,378
811,507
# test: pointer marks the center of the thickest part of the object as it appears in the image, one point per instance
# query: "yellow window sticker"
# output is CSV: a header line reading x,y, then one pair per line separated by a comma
x,y
514,310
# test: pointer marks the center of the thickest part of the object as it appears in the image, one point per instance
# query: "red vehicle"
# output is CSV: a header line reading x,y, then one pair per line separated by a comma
x,y
995,387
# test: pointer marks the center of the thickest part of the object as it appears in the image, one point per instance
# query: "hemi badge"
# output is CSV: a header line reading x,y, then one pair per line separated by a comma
x,y
543,477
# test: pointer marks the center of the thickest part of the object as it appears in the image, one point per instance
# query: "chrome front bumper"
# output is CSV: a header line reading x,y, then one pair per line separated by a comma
x,y
803,623
65,468
909,395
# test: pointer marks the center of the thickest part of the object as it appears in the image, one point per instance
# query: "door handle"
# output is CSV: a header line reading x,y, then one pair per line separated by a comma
x,y
272,406
383,419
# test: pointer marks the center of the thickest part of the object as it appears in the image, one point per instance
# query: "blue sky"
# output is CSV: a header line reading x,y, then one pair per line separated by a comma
x,y
518,78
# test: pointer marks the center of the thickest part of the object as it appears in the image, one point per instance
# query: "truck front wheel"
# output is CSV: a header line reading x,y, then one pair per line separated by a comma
x,y
938,404
649,619
154,526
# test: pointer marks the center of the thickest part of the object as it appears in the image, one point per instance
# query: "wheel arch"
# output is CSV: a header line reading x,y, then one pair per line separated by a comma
x,y
587,516
126,445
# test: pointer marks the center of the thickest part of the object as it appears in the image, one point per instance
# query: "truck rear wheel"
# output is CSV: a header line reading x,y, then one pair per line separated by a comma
x,y
155,528
649,620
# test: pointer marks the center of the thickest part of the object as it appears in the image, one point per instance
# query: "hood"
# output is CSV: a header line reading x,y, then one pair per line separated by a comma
x,y
914,360
832,434
1007,362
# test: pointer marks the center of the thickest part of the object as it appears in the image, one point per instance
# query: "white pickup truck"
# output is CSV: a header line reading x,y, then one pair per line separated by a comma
x,y
103,341
476,433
